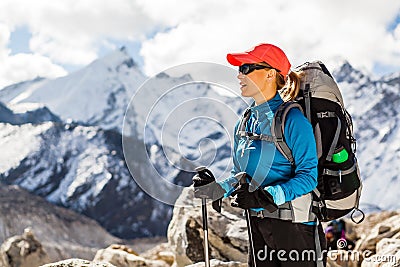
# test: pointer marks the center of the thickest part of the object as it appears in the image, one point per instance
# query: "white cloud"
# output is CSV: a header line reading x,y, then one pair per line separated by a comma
x,y
178,31
76,51
4,38
306,30
70,32
396,33
22,67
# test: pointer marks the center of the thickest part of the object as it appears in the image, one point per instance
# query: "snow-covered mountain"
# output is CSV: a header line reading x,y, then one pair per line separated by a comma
x,y
99,94
25,113
95,95
81,168
375,108
77,160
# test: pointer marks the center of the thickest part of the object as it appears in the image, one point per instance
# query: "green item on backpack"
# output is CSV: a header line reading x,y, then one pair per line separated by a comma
x,y
340,155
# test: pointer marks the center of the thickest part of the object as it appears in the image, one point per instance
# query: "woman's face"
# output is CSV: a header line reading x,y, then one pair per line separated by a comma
x,y
258,84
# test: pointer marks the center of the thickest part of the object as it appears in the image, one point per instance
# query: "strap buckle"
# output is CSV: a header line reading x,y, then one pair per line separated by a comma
x,y
324,114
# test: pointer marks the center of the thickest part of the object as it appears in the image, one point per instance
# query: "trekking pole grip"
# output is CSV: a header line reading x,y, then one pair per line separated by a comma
x,y
203,169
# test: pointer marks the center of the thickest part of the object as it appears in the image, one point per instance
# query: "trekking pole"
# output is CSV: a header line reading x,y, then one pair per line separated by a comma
x,y
203,170
241,177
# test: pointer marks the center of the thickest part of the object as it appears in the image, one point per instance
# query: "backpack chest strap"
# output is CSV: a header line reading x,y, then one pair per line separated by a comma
x,y
250,135
254,136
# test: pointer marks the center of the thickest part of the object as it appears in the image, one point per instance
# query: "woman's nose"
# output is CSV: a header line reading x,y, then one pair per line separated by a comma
x,y
240,75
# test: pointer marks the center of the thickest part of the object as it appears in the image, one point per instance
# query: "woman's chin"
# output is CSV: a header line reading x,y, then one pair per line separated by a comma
x,y
244,93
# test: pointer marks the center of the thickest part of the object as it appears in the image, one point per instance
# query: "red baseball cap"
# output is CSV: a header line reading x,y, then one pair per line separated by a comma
x,y
268,53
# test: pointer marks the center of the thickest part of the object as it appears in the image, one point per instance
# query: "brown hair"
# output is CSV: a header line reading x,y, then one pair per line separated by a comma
x,y
289,89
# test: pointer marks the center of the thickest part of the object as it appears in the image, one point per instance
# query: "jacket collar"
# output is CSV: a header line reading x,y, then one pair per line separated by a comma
x,y
270,105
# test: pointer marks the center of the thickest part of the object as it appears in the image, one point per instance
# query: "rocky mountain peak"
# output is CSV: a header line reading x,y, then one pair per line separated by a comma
x,y
347,73
35,116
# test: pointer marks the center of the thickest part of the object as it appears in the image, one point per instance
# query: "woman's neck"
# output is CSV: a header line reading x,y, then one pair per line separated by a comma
x,y
265,95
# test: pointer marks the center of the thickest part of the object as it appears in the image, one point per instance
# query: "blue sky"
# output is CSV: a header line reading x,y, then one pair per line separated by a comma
x,y
53,38
19,40
19,43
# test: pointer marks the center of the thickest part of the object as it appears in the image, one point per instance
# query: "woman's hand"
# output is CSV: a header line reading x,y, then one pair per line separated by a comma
x,y
205,186
258,198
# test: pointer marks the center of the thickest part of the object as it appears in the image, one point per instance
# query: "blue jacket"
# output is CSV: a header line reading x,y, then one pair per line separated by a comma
x,y
266,164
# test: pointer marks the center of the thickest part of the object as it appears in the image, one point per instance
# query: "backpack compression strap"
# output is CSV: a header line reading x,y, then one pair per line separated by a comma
x,y
278,129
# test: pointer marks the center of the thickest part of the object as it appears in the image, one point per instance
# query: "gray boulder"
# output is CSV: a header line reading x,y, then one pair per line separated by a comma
x,y
227,232
385,228
78,263
23,251
218,263
122,256
387,254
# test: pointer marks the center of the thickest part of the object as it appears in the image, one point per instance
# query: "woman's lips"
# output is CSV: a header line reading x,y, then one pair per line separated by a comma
x,y
242,85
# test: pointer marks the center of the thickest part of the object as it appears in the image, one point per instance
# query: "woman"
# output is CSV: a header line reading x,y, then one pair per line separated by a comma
x,y
289,236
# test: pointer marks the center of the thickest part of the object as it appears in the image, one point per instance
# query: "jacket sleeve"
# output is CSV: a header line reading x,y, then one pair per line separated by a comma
x,y
228,183
299,137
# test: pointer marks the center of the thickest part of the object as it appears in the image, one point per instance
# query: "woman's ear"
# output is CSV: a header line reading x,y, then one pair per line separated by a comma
x,y
271,74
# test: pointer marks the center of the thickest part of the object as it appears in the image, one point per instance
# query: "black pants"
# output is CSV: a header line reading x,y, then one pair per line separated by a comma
x,y
285,244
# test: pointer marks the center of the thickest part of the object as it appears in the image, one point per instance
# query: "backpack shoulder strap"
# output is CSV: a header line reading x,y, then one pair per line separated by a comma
x,y
278,129
241,131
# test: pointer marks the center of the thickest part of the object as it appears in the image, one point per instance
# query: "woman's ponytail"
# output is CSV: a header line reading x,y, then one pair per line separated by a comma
x,y
289,89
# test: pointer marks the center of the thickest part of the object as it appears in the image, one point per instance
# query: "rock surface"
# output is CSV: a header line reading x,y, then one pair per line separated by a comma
x,y
78,263
227,232
217,263
123,256
63,234
387,254
377,238
161,252
22,251
377,227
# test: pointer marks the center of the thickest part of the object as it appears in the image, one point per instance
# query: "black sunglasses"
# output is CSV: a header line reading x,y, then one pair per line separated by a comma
x,y
248,68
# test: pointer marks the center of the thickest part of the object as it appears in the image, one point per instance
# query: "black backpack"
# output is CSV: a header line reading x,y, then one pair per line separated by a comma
x,y
339,184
